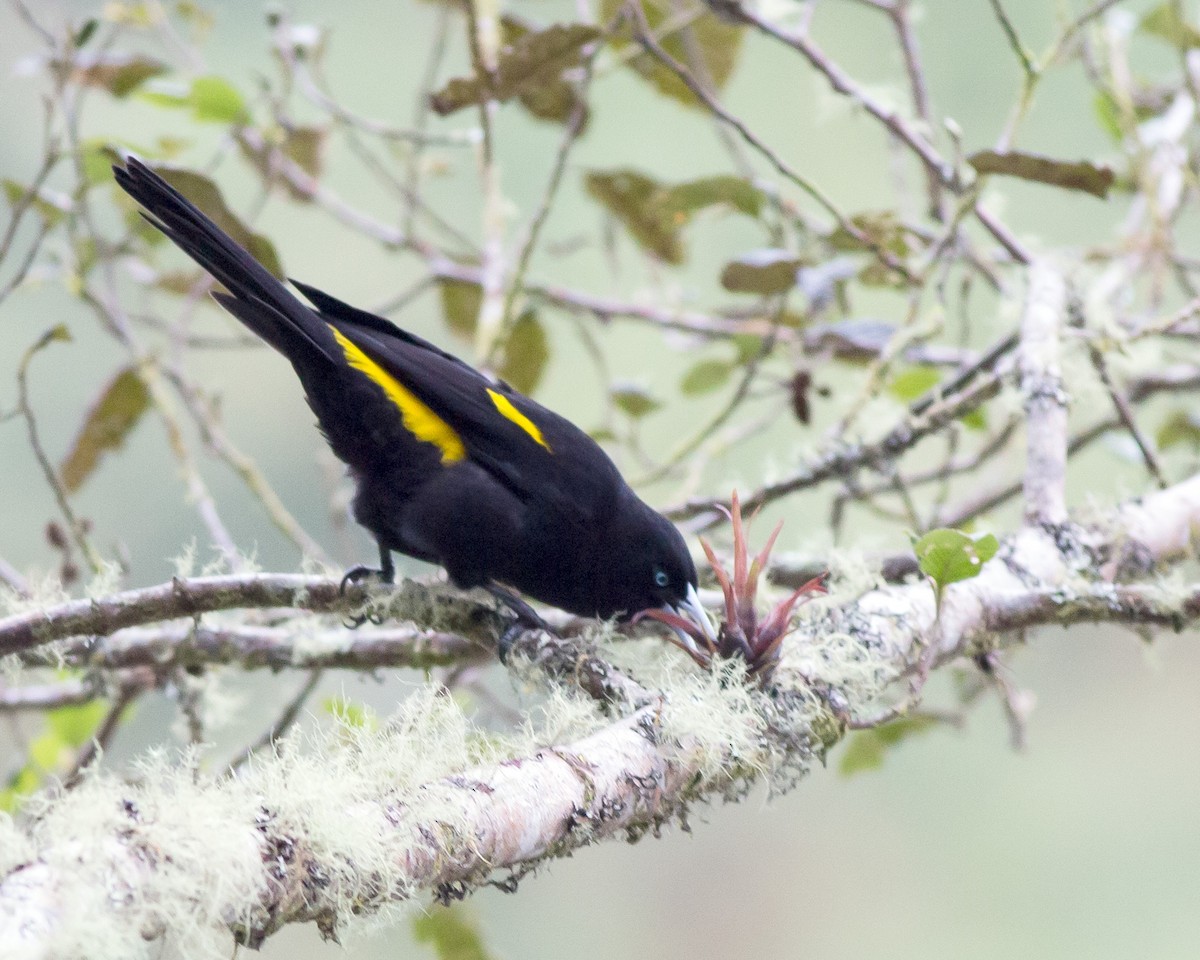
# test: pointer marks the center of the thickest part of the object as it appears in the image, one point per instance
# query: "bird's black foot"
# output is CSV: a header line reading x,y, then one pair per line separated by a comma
x,y
524,618
355,575
507,638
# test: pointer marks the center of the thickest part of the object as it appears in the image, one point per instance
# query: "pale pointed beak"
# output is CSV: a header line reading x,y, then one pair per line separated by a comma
x,y
691,608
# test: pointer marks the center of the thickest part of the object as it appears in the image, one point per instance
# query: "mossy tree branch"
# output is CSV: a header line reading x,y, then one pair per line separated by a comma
x,y
454,831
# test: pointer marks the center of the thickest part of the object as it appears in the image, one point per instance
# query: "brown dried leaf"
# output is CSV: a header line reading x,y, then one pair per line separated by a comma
x,y
531,61
108,423
628,196
554,100
656,213
1080,175
706,39
763,272
304,146
119,73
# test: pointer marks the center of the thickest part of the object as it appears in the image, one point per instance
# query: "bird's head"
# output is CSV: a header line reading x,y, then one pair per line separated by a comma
x,y
648,566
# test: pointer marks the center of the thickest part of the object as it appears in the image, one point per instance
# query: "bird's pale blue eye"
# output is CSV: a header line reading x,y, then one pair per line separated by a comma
x,y
661,578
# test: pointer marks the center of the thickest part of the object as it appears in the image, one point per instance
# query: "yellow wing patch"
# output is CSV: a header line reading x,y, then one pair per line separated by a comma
x,y
509,412
418,419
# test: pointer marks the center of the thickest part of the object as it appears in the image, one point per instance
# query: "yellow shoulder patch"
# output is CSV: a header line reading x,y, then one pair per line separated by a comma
x,y
509,412
418,419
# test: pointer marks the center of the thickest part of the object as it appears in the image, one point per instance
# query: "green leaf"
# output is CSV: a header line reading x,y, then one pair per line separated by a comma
x,y
882,229
764,272
452,934
555,103
532,60
705,376
747,345
67,729
179,282
59,333
211,99
974,419
48,751
914,382
1080,175
633,400
1181,426
50,211
949,556
1166,23
76,724
85,33
119,73
865,750
461,301
207,196
1108,115
112,417
736,192
216,100
173,94
525,353
704,44
21,784
97,157
196,16
348,713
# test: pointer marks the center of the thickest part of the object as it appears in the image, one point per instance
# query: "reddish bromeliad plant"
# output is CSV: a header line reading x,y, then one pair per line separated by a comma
x,y
741,634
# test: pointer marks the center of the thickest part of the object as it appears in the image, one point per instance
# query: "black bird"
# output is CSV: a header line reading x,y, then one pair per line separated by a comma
x,y
452,467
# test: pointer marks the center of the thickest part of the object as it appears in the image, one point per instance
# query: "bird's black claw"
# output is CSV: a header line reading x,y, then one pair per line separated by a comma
x,y
525,616
505,644
354,622
354,576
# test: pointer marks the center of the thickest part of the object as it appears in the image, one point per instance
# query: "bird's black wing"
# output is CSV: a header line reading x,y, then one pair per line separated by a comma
x,y
532,450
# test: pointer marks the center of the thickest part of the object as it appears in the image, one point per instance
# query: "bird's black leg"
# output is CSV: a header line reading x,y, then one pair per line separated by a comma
x,y
524,618
387,569
385,574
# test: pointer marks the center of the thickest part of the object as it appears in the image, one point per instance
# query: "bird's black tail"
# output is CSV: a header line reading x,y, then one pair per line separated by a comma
x,y
256,297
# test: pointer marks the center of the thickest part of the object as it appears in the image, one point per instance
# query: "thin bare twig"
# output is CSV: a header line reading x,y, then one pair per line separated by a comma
x,y
74,524
283,723
127,693
645,36
1125,412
